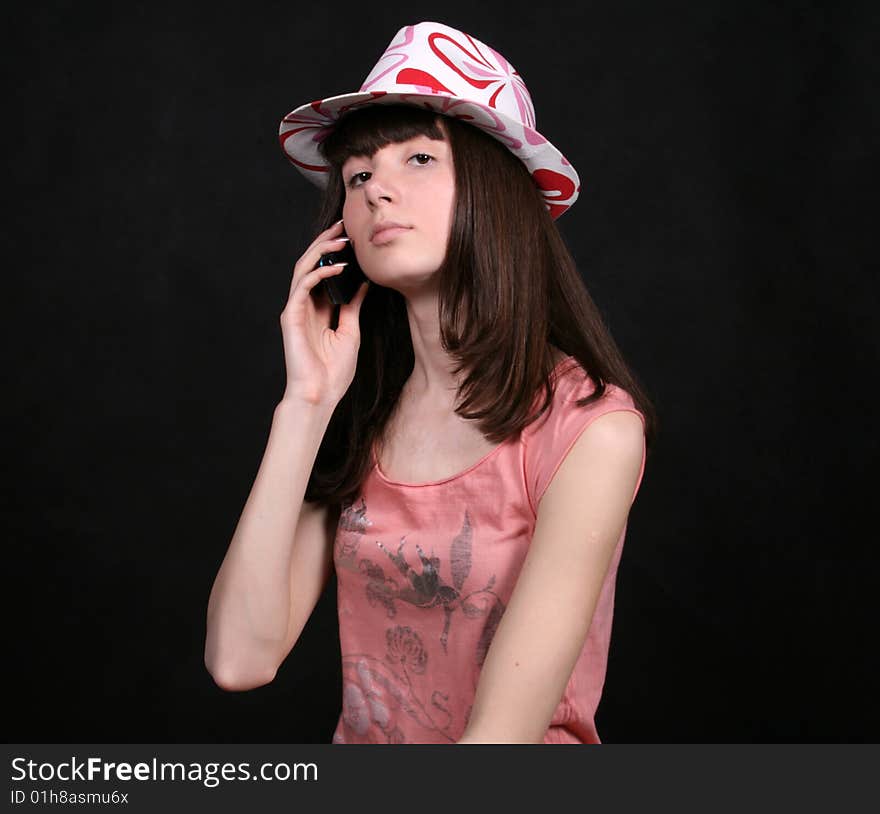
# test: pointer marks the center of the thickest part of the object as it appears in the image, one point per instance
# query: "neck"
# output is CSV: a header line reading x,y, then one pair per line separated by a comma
x,y
433,378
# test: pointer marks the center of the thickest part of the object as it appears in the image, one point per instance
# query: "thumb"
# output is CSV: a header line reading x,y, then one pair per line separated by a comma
x,y
349,314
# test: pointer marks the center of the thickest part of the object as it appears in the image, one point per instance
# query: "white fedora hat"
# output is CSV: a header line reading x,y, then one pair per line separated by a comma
x,y
435,67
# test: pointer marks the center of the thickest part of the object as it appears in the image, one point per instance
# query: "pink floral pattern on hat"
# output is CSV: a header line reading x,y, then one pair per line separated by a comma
x,y
435,67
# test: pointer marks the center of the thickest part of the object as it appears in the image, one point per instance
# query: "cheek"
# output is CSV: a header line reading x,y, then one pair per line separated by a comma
x,y
353,216
443,204
445,195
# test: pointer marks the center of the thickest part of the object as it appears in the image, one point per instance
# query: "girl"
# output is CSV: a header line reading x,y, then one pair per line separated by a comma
x,y
461,442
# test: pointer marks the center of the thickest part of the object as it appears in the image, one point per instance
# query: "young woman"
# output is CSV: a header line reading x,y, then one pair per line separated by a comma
x,y
461,442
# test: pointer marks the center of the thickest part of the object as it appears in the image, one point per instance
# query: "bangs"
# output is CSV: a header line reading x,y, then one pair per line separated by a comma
x,y
363,132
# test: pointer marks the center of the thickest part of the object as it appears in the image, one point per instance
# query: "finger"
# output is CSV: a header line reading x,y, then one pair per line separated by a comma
x,y
315,276
349,314
332,231
313,254
310,279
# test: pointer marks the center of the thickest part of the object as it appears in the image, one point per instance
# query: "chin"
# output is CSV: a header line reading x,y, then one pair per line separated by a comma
x,y
404,279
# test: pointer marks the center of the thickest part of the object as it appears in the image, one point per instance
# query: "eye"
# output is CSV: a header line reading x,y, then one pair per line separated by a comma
x,y
358,178
422,159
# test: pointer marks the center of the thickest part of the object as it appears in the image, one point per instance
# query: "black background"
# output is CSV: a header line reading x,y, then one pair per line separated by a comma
x,y
723,229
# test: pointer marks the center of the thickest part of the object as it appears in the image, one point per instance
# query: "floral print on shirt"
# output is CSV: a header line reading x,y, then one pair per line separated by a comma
x,y
377,689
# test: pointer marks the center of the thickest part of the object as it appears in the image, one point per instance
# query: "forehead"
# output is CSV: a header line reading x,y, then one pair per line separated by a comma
x,y
364,132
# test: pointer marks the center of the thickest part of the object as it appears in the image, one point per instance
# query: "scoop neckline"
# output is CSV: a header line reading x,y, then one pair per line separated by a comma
x,y
491,453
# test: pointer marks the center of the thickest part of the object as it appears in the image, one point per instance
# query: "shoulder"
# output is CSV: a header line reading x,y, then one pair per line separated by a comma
x,y
610,426
613,442
572,384
603,436
616,430
601,471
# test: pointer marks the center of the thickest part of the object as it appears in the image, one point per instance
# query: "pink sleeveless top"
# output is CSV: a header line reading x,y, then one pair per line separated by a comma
x,y
425,572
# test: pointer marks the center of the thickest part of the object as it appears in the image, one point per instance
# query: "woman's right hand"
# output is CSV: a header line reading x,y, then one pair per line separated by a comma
x,y
320,362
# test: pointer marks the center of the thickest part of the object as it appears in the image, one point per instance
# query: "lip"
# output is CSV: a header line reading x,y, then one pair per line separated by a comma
x,y
385,231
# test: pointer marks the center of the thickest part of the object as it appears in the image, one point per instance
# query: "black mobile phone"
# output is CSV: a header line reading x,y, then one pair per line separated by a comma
x,y
343,286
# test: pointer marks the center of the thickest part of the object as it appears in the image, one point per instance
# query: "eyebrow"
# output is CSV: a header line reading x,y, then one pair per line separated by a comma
x,y
394,143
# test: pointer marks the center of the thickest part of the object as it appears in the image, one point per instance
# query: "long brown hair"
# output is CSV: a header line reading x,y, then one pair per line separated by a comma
x,y
508,289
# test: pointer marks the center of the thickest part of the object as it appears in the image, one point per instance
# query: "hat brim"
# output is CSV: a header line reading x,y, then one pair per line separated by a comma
x,y
303,129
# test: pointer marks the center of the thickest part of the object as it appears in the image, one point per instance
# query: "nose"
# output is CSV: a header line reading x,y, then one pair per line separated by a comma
x,y
379,187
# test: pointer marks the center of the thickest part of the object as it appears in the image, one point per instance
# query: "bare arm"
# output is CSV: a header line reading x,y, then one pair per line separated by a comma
x,y
580,519
281,552
278,561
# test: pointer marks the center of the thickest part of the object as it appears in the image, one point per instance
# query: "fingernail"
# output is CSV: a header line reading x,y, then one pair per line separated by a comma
x,y
338,222
343,238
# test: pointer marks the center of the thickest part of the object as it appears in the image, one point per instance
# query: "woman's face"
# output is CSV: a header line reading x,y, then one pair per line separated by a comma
x,y
412,185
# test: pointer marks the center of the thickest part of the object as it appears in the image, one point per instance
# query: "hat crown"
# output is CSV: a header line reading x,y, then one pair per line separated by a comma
x,y
432,58
435,67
